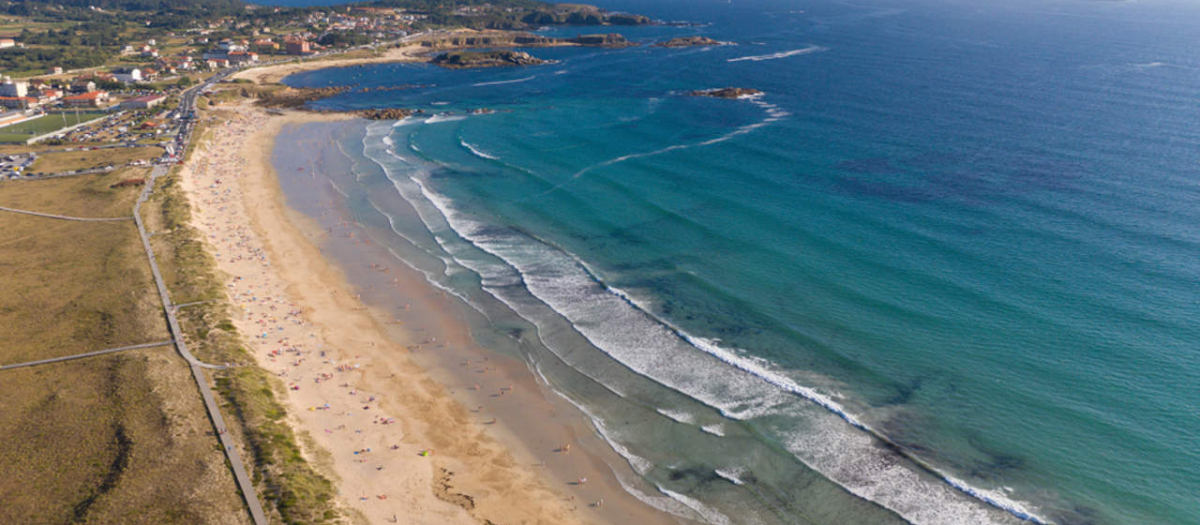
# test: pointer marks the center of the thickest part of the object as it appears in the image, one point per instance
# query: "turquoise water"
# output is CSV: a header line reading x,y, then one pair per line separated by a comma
x,y
944,271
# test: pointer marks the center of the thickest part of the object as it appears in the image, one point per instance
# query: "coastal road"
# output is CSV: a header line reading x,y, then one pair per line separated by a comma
x,y
85,354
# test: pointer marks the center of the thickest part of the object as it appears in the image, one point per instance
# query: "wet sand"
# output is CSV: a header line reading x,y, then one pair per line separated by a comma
x,y
416,420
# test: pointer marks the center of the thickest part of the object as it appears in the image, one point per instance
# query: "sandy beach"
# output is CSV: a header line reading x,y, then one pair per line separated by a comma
x,y
270,74
398,444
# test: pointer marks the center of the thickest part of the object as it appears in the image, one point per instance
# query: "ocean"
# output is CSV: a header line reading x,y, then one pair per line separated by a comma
x,y
945,270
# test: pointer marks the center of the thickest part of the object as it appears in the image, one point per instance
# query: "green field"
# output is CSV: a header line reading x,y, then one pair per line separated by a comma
x,y
23,131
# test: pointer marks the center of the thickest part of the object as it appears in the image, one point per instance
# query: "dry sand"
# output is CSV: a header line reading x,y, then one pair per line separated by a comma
x,y
271,74
350,387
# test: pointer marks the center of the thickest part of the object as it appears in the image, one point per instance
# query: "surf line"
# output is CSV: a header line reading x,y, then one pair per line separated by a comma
x,y
783,54
498,82
808,394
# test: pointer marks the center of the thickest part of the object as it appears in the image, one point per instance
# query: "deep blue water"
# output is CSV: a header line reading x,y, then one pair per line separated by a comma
x,y
962,231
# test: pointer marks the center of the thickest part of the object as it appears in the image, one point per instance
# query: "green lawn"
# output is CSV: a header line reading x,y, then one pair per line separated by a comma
x,y
23,131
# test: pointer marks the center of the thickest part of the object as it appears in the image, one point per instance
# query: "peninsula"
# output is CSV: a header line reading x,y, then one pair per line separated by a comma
x,y
476,59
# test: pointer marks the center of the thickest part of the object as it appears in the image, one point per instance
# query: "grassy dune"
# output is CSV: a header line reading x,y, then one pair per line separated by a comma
x,y
72,287
82,160
121,438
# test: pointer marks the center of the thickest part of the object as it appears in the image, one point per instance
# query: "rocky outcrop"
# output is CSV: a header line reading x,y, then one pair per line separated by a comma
x,y
605,40
729,92
502,58
689,41
386,114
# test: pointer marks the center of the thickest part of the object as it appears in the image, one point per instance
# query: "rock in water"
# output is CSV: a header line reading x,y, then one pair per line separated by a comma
x,y
688,41
729,92
470,59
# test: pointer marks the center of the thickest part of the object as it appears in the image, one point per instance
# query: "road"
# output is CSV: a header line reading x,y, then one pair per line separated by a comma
x,y
187,100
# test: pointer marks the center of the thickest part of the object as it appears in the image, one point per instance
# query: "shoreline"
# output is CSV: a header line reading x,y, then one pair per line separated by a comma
x,y
411,52
479,468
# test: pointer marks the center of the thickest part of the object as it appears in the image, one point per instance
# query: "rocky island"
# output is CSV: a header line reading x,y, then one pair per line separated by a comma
x,y
690,41
473,59
729,92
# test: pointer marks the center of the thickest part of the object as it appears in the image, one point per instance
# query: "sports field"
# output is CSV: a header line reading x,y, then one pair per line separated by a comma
x,y
22,131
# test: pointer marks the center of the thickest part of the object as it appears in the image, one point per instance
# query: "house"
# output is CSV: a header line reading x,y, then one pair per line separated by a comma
x,y
228,45
54,71
237,58
266,45
91,99
82,85
217,63
19,102
128,75
150,53
13,88
145,102
47,95
7,42
298,47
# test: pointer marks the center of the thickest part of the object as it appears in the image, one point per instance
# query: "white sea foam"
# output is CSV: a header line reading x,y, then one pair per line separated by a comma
x,y
477,151
733,475
783,54
444,118
639,464
499,82
407,121
715,429
739,131
677,416
709,514
739,386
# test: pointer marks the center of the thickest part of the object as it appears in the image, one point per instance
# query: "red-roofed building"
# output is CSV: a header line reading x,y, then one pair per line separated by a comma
x,y
91,99
145,102
19,102
296,46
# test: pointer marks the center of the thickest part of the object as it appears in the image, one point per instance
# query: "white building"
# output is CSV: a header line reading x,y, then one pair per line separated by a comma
x,y
128,76
14,88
